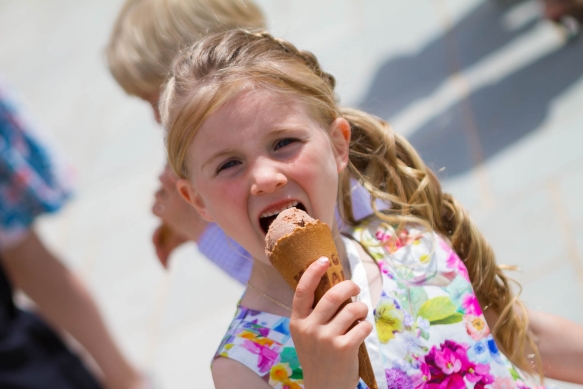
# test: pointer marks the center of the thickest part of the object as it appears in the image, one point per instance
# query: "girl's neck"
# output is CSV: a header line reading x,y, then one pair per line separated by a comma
x,y
265,278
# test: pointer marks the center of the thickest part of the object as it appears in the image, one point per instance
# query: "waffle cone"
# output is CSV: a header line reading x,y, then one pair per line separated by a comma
x,y
291,256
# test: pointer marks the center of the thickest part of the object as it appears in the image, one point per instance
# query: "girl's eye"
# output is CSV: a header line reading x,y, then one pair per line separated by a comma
x,y
227,165
284,142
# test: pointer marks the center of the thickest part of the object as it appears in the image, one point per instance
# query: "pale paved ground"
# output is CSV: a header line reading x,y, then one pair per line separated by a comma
x,y
492,94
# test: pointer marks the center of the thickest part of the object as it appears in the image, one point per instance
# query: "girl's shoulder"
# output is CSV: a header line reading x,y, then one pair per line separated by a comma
x,y
262,342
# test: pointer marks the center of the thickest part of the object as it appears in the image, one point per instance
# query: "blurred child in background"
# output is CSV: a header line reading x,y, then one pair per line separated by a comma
x,y
145,38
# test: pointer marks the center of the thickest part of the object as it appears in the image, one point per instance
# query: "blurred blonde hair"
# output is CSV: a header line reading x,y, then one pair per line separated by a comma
x,y
221,66
147,34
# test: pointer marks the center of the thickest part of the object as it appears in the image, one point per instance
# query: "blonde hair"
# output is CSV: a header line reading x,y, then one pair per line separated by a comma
x,y
220,66
147,34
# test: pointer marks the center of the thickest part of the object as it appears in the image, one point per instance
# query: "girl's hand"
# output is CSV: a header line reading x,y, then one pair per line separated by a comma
x,y
326,345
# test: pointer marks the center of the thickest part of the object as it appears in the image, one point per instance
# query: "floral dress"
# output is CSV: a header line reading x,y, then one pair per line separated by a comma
x,y
429,330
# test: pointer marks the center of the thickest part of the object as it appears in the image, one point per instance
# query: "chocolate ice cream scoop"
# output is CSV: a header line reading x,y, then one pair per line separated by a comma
x,y
293,242
285,223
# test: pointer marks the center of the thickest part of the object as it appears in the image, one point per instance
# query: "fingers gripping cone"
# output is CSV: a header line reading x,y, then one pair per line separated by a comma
x,y
294,241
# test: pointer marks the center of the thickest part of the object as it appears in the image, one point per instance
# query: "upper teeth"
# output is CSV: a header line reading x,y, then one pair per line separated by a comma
x,y
278,211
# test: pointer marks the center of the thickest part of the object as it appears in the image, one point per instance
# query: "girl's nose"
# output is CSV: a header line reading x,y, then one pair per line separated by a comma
x,y
267,179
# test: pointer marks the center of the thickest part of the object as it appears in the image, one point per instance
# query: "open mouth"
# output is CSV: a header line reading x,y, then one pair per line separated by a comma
x,y
266,219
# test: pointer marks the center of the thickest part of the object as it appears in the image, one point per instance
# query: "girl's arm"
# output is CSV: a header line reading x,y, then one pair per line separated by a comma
x,y
229,373
560,343
65,302
327,347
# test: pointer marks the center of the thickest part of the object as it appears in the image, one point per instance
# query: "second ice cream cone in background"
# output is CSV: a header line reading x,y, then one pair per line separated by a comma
x,y
294,241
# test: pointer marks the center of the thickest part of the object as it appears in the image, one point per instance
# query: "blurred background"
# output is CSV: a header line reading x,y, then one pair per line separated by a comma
x,y
489,92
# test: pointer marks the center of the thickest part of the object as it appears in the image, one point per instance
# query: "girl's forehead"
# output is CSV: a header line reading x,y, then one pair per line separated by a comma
x,y
259,107
249,117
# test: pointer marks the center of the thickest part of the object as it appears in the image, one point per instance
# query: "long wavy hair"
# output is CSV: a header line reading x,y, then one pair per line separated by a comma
x,y
220,66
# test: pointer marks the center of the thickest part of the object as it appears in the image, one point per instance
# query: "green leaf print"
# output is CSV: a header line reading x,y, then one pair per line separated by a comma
x,y
437,308
458,288
414,299
289,355
424,334
403,286
297,374
514,374
455,318
403,272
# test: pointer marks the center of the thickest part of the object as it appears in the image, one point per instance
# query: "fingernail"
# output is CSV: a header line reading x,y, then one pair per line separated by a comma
x,y
323,260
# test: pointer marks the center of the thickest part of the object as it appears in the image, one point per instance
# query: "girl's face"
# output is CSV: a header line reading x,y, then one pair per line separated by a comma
x,y
258,155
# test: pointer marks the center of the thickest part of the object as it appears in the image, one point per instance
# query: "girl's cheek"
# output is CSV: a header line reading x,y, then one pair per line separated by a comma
x,y
217,193
305,166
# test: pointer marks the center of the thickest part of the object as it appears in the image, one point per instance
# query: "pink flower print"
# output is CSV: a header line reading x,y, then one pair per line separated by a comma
x,y
382,236
455,381
420,379
392,243
384,268
267,356
444,246
407,237
471,304
503,383
448,361
459,348
521,385
476,326
445,368
479,372
454,262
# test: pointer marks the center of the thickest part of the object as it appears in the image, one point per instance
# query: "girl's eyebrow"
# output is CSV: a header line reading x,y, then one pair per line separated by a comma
x,y
279,131
216,155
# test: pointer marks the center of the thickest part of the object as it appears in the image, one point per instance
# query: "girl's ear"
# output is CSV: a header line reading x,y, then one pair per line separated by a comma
x,y
191,195
340,136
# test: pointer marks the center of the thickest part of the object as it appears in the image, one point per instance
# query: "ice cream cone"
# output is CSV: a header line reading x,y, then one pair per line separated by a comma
x,y
293,252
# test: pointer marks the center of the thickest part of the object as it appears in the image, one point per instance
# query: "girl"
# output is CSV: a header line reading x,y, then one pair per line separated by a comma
x,y
253,128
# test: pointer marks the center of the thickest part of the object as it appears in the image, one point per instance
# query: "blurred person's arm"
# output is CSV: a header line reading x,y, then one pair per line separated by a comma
x,y
65,302
560,344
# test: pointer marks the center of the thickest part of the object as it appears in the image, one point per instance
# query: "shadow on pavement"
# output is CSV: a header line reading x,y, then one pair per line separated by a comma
x,y
502,113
